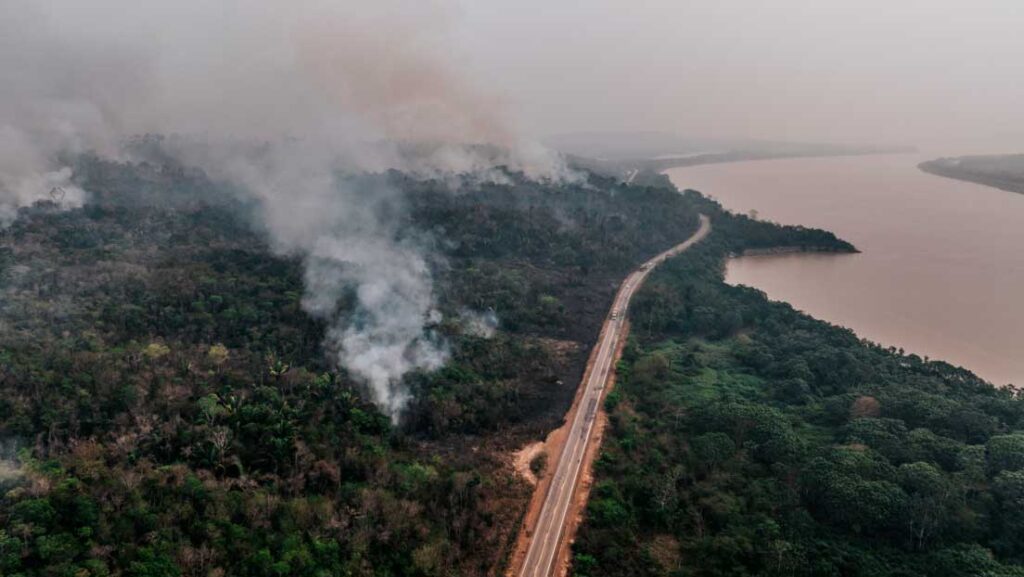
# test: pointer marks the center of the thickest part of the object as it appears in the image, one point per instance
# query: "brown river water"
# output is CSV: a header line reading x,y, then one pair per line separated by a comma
x,y
941,272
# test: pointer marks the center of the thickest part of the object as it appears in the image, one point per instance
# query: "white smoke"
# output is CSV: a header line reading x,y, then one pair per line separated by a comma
x,y
346,229
386,338
479,324
279,99
10,469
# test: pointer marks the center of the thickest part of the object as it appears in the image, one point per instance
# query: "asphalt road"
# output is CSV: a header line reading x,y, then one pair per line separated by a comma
x,y
546,538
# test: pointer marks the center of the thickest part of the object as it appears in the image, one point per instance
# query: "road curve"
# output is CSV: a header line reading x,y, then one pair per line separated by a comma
x,y
545,541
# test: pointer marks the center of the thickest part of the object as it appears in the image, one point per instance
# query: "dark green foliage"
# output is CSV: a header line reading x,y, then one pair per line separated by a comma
x,y
749,439
178,415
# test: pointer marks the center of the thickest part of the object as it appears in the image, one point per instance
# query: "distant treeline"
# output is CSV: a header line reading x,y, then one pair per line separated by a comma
x,y
620,153
1005,172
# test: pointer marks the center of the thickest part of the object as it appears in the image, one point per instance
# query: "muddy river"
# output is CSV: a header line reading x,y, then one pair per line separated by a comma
x,y
941,272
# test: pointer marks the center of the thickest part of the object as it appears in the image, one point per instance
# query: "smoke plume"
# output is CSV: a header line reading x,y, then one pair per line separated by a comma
x,y
479,324
283,101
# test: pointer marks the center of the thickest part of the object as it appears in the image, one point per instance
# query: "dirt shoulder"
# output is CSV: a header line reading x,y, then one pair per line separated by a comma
x,y
555,443
552,446
582,492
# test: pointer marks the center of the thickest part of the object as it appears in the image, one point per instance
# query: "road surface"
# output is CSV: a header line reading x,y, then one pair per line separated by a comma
x,y
546,537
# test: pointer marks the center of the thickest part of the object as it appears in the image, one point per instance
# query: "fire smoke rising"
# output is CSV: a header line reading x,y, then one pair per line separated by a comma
x,y
311,83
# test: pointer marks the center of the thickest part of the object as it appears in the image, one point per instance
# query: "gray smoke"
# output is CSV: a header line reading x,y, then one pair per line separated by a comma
x,y
386,339
312,82
43,111
479,324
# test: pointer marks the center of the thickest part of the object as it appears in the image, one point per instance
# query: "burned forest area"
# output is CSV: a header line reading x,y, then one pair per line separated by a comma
x,y
398,288
167,405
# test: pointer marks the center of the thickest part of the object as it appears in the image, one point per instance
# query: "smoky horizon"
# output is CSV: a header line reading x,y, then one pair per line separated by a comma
x,y
937,75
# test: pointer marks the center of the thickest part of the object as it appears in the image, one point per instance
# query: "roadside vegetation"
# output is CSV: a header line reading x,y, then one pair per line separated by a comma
x,y
746,438
166,407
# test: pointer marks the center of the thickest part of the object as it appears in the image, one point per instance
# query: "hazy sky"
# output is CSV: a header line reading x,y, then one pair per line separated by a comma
x,y
928,72
947,75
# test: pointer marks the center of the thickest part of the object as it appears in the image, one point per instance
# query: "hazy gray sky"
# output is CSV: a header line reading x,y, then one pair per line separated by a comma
x,y
944,74
897,71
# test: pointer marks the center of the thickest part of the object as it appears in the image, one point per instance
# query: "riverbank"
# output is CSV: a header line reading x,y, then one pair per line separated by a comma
x,y
984,170
820,452
781,250
940,272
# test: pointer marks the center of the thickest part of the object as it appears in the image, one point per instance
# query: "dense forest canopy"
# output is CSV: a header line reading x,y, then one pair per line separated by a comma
x,y
749,439
166,406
